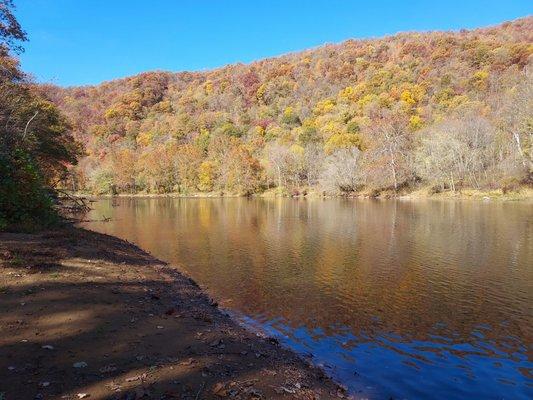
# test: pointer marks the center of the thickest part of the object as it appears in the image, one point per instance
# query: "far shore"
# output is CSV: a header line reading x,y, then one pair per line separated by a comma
x,y
522,194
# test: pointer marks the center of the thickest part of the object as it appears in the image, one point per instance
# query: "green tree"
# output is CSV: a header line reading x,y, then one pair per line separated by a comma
x,y
36,146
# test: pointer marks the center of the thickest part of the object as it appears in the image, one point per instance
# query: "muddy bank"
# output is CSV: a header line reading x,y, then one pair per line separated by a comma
x,y
86,315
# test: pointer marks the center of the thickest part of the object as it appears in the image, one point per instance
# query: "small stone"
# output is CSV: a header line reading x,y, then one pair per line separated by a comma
x,y
83,395
80,364
48,347
107,369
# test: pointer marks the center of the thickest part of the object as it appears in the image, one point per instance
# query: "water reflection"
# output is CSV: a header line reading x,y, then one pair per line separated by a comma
x,y
404,299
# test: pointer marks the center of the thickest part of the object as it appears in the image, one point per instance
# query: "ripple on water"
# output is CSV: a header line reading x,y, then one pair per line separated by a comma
x,y
411,300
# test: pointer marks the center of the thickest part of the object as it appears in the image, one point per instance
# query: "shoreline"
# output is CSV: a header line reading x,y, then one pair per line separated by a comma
x,y
88,313
525,194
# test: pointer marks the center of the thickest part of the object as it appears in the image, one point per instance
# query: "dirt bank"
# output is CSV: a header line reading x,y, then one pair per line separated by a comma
x,y
86,315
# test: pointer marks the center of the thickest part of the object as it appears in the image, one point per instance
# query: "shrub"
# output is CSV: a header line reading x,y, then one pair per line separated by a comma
x,y
25,204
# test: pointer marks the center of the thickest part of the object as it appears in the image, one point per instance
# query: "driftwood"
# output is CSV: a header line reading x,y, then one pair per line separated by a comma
x,y
72,207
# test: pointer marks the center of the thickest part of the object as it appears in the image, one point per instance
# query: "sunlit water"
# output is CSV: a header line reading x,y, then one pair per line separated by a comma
x,y
401,299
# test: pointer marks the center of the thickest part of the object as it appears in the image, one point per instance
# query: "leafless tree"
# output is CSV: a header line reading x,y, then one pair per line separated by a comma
x,y
516,113
283,164
388,157
458,150
312,163
341,171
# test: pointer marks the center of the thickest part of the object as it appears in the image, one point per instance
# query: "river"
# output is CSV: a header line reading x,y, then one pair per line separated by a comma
x,y
402,299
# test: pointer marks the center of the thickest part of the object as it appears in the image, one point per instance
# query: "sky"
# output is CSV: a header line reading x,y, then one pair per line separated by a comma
x,y
80,42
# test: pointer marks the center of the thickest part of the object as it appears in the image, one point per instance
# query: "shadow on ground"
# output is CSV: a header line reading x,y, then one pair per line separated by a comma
x,y
83,313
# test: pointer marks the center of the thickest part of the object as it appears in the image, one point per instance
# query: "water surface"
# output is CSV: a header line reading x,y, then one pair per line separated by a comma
x,y
401,299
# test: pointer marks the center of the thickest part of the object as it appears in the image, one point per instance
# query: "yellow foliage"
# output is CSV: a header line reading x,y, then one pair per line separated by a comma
x,y
448,100
261,92
288,112
297,149
412,94
145,138
309,123
324,106
408,98
330,127
208,87
481,75
206,174
348,94
480,79
365,100
415,122
258,131
111,112
342,140
164,106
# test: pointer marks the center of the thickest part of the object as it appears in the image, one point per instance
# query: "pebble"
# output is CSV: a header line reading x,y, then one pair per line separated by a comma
x,y
79,364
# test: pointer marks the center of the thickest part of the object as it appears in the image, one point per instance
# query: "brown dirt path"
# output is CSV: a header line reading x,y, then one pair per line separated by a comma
x,y
83,313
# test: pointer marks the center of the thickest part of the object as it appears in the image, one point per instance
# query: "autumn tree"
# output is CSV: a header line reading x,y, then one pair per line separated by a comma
x,y
388,157
36,146
11,33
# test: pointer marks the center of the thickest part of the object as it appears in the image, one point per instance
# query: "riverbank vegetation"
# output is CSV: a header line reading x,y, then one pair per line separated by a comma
x,y
443,111
36,144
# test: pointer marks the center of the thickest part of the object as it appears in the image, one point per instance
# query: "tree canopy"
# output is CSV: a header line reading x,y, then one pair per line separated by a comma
x,y
36,143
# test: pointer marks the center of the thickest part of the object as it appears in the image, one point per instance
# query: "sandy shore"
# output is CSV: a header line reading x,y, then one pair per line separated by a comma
x,y
87,315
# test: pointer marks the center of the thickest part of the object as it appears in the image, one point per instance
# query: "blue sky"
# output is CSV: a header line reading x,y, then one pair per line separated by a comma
x,y
75,42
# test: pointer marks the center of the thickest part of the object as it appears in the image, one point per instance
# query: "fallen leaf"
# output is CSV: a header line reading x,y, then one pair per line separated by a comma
x,y
219,390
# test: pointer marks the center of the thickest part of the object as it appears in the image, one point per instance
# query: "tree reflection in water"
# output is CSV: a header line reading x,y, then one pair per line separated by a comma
x,y
399,298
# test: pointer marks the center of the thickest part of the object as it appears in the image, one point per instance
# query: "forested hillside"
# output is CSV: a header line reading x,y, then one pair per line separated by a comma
x,y
444,110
